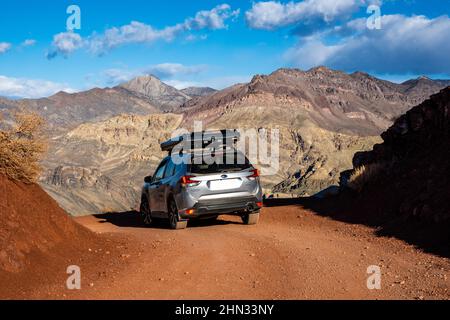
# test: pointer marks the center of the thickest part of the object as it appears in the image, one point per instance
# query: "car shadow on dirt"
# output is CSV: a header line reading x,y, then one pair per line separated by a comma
x,y
132,219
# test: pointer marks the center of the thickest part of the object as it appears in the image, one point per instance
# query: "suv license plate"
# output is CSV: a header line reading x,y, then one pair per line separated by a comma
x,y
225,184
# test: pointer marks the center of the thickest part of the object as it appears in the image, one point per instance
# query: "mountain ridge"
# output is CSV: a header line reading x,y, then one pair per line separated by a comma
x,y
323,116
332,97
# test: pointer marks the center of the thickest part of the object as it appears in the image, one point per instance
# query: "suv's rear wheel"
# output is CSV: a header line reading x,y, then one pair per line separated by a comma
x,y
145,211
174,220
250,218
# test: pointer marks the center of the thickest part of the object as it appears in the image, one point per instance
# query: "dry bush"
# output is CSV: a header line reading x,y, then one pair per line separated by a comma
x,y
22,146
362,175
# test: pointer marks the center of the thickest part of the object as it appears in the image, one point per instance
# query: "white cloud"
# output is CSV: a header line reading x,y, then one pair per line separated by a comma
x,y
416,44
193,37
213,19
28,43
215,83
271,15
65,43
135,32
169,70
4,47
117,76
164,71
310,53
30,88
138,32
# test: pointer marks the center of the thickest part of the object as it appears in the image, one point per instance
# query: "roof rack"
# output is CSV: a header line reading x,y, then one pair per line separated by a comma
x,y
221,139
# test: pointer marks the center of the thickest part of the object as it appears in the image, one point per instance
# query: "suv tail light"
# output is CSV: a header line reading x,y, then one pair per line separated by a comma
x,y
255,174
186,181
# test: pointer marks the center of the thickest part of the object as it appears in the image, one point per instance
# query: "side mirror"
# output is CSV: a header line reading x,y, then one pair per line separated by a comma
x,y
148,179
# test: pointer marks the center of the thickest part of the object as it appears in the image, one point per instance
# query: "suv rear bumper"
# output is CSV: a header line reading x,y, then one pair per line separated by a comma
x,y
223,206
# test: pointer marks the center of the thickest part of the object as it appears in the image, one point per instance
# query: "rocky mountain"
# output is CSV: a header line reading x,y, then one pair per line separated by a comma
x,y
157,92
410,169
64,111
195,92
416,89
348,103
323,117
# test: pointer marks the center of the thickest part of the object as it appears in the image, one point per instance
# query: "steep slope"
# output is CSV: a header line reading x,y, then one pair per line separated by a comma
x,y
402,186
410,169
30,221
157,92
38,240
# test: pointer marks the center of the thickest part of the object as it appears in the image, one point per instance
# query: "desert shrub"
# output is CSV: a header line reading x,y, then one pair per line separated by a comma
x,y
22,146
362,175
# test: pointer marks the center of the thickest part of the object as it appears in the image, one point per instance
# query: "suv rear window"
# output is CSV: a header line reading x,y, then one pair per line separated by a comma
x,y
225,166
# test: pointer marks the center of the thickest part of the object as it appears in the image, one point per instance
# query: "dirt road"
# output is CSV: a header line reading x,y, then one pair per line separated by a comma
x,y
291,254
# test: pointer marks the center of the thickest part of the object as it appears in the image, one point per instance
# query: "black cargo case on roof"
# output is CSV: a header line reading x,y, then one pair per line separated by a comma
x,y
219,138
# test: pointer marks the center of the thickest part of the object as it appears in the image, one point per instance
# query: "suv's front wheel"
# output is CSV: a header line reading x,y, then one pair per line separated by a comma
x,y
174,219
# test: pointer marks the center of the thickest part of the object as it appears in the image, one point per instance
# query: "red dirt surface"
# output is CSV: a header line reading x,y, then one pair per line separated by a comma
x,y
38,241
293,253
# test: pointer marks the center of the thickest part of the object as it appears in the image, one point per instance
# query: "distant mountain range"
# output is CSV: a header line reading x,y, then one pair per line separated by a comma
x,y
335,98
354,103
142,95
105,140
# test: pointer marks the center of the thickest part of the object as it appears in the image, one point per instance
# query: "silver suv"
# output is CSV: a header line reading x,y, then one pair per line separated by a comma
x,y
194,189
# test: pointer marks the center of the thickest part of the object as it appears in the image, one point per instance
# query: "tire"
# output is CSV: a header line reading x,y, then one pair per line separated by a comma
x,y
145,211
250,218
174,219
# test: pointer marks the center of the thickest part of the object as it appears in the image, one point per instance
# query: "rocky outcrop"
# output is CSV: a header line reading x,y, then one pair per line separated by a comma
x,y
414,178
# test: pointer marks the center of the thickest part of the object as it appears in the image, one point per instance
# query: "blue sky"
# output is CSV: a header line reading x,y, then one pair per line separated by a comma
x,y
214,43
